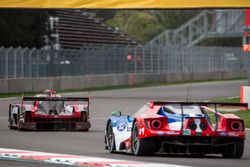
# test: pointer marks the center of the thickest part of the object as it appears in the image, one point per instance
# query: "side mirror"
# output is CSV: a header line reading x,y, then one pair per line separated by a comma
x,y
116,113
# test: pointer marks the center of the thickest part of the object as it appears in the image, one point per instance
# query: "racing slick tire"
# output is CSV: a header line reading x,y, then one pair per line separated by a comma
x,y
141,146
11,124
237,153
110,138
19,123
19,126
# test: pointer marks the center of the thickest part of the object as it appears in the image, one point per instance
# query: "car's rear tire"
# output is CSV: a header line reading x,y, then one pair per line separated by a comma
x,y
237,153
141,146
19,123
10,124
19,126
110,139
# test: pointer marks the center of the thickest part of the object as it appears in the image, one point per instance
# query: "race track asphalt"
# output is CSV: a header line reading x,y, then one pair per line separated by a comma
x,y
128,101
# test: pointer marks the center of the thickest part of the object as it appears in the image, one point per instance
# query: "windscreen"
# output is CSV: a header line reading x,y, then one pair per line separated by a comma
x,y
187,109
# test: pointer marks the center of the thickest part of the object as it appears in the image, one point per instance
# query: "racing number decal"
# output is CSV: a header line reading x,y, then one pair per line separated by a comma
x,y
141,131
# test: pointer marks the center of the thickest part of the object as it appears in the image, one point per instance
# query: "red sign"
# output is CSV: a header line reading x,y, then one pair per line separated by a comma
x,y
129,57
247,20
246,48
246,38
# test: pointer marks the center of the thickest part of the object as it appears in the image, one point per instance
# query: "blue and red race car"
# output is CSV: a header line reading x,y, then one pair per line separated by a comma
x,y
50,111
177,127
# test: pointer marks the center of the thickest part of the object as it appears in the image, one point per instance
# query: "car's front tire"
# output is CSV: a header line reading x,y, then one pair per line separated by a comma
x,y
110,139
141,146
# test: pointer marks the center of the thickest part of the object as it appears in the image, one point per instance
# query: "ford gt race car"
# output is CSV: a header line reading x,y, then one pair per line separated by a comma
x,y
177,127
50,111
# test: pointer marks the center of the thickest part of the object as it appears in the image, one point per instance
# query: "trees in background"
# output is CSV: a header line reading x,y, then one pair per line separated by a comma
x,y
22,27
26,27
146,24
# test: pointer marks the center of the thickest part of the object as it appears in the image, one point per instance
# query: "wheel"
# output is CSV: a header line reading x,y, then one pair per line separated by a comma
x,y
10,124
236,152
9,119
19,123
110,139
141,146
19,126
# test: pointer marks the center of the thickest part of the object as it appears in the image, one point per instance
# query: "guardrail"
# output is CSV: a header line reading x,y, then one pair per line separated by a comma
x,y
106,80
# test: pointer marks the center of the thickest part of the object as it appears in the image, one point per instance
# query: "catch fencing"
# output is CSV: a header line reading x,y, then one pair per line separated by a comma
x,y
117,59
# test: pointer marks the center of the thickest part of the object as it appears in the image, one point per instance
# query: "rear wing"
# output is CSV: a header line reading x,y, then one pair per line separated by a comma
x,y
214,104
87,99
245,105
56,99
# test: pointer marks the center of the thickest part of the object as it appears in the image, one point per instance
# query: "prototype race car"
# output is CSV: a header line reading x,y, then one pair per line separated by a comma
x,y
50,111
177,127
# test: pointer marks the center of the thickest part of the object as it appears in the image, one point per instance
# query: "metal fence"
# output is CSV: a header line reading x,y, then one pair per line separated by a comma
x,y
207,24
113,59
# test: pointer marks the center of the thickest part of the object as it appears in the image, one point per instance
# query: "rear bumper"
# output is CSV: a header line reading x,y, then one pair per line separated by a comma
x,y
218,134
195,144
71,126
196,148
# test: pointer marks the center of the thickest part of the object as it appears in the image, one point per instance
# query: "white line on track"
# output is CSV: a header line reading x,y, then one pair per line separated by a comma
x,y
9,98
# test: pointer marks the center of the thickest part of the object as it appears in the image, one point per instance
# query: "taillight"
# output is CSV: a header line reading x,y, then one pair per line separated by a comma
x,y
156,124
192,125
236,125
203,126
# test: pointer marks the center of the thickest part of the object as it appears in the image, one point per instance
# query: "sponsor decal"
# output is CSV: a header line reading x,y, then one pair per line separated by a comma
x,y
129,126
167,133
222,134
121,126
232,134
160,133
14,110
186,132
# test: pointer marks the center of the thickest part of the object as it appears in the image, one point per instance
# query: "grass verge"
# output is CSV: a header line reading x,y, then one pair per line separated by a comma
x,y
245,115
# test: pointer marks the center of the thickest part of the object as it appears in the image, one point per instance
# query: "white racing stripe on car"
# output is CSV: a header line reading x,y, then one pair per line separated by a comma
x,y
75,160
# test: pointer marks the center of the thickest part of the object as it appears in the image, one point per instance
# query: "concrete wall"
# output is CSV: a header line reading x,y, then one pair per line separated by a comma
x,y
80,82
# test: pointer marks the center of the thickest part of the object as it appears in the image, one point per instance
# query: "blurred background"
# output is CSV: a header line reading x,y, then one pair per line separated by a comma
x,y
69,42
